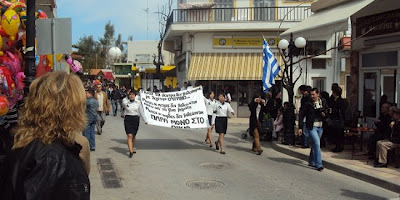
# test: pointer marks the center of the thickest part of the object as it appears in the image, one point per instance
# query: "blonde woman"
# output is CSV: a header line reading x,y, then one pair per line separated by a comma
x,y
45,163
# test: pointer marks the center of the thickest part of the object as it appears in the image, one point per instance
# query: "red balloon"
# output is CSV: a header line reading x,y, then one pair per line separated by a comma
x,y
3,105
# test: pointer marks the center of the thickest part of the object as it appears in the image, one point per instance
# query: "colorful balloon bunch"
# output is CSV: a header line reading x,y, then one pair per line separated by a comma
x,y
12,41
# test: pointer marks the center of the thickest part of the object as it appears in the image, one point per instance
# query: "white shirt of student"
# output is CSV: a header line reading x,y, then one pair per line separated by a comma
x,y
223,109
210,105
132,107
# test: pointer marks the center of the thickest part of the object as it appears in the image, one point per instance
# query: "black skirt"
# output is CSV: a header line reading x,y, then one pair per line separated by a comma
x,y
131,123
210,120
221,124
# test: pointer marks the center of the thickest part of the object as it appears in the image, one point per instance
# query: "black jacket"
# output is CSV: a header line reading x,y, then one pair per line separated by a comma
x,y
253,114
307,110
395,136
45,172
338,107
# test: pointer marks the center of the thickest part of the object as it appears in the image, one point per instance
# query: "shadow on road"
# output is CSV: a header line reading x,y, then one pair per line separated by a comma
x,y
360,195
169,144
290,161
120,150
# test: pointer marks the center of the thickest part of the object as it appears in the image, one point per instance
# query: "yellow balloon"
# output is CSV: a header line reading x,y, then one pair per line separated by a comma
x,y
10,22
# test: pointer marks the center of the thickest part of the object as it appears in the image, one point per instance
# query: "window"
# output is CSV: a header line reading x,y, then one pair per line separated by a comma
x,y
316,48
319,82
264,10
224,11
318,64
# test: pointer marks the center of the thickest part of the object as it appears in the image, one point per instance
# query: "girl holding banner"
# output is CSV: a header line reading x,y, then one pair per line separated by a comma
x,y
133,109
210,106
221,121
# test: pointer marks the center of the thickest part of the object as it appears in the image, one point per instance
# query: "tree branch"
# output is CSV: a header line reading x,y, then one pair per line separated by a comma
x,y
336,47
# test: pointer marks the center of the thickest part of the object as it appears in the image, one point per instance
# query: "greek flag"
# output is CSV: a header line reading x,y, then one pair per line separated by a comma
x,y
270,67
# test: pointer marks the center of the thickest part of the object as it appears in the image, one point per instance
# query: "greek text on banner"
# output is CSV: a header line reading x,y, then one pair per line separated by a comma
x,y
182,109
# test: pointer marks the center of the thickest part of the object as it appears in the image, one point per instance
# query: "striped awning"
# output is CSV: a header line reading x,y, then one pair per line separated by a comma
x,y
225,66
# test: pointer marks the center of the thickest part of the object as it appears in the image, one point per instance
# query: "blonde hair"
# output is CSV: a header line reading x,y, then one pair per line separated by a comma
x,y
54,110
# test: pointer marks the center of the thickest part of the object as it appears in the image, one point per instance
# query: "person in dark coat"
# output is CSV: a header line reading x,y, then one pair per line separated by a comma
x,y
336,115
390,142
44,162
383,130
305,100
257,109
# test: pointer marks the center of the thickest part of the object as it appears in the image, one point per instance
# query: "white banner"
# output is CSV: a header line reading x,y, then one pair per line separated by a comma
x,y
183,109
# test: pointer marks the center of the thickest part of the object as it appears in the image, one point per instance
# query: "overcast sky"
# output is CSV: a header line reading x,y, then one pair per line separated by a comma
x,y
128,16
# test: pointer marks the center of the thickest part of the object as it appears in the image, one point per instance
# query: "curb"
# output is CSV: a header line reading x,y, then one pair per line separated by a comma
x,y
343,170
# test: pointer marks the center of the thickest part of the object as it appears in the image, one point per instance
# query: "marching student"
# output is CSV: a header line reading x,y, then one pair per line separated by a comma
x,y
210,106
221,121
133,110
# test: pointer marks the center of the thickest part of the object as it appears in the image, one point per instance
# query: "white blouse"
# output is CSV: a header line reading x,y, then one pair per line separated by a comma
x,y
223,109
210,105
132,107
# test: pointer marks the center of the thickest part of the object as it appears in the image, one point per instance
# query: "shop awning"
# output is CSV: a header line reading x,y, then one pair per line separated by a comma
x,y
225,66
333,19
108,75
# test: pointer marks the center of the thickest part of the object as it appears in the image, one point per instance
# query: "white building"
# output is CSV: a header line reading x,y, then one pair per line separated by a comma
x,y
220,47
141,55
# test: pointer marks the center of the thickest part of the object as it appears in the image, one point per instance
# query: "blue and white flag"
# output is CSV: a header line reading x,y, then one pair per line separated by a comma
x,y
271,67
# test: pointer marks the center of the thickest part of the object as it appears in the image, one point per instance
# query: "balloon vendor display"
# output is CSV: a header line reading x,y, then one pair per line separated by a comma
x,y
12,44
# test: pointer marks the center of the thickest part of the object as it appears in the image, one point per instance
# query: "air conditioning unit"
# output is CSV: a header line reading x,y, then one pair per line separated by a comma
x,y
178,45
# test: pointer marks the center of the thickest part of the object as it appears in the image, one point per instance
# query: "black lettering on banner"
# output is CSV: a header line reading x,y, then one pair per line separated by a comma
x,y
197,120
158,118
180,122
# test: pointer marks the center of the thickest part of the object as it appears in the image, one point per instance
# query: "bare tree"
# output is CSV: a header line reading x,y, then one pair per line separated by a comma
x,y
164,12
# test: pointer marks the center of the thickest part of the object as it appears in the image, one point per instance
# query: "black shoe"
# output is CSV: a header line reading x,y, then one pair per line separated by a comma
x,y
380,165
259,152
130,155
92,149
216,146
337,150
320,168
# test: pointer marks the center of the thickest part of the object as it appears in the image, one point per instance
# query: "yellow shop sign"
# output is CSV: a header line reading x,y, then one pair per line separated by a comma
x,y
242,42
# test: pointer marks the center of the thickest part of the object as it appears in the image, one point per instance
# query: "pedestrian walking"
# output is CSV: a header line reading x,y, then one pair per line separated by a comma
x,y
133,111
314,111
91,107
115,97
257,109
123,93
45,162
221,121
104,107
210,106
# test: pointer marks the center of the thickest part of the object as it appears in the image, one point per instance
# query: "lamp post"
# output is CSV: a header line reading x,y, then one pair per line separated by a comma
x,y
293,49
30,68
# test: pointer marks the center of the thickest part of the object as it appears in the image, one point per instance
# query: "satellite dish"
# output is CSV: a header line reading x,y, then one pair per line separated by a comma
x,y
114,53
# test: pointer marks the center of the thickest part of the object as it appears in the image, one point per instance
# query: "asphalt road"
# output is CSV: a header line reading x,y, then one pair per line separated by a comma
x,y
177,164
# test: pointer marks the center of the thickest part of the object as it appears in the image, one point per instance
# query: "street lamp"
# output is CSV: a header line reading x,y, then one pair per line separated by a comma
x,y
293,49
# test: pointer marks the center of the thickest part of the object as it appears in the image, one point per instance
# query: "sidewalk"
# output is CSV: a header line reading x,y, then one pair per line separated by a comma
x,y
360,167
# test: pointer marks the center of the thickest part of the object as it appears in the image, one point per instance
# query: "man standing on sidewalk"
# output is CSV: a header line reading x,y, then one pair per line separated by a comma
x,y
91,107
390,143
115,98
104,106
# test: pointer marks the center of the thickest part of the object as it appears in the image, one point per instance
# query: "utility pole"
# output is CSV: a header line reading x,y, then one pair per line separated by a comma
x,y
30,68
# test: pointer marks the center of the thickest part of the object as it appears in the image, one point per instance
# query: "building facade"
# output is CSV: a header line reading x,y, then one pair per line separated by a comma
x,y
376,55
220,46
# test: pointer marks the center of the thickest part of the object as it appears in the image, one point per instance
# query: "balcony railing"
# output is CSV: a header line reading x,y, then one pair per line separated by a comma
x,y
288,14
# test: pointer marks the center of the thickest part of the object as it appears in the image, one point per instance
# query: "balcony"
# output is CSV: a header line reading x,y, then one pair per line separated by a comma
x,y
253,14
